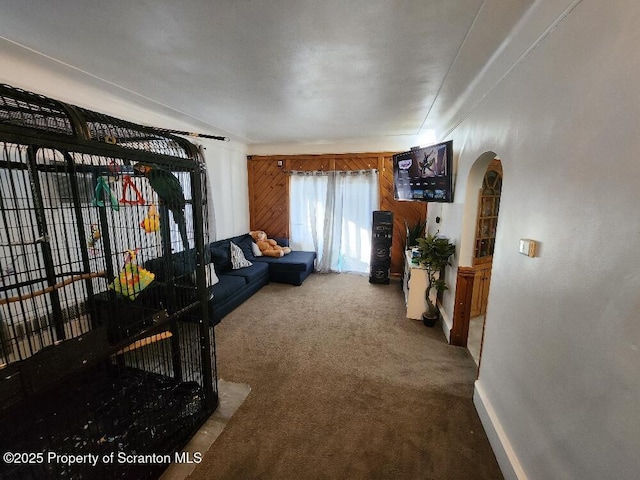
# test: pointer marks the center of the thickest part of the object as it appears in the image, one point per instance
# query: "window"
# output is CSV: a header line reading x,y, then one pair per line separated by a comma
x,y
331,214
488,209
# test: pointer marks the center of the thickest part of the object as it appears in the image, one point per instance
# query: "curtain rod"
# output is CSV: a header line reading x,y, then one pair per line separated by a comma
x,y
192,134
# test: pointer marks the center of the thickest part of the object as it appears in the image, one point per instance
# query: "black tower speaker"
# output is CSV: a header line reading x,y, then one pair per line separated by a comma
x,y
381,236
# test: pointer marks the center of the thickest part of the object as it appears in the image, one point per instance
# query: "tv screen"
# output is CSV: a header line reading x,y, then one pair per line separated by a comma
x,y
424,174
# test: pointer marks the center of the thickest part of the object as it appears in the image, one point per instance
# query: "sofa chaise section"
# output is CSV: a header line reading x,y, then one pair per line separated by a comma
x,y
292,268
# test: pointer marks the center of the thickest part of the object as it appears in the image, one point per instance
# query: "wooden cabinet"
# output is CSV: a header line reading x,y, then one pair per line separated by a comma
x,y
481,284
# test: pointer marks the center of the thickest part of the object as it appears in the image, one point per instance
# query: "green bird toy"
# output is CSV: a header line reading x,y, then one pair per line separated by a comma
x,y
169,191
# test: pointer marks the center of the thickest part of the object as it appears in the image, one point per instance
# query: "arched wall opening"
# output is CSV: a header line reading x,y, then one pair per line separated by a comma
x,y
470,277
470,211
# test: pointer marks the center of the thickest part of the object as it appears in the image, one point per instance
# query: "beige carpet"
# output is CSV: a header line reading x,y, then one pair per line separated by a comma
x,y
343,386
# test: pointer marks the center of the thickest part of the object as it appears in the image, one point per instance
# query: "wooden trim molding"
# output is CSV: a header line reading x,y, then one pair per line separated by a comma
x,y
462,309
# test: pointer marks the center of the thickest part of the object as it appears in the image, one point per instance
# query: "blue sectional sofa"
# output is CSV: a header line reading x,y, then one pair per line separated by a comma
x,y
235,286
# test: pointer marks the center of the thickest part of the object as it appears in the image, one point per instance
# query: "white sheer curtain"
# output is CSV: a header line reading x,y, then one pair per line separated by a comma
x,y
331,213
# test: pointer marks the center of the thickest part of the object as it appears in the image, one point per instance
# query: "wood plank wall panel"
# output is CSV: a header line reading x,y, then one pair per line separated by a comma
x,y
268,197
327,163
309,165
269,192
357,163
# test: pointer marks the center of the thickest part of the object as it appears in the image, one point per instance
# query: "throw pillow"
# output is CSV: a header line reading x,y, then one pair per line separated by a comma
x,y
245,242
237,257
210,275
184,263
256,249
220,258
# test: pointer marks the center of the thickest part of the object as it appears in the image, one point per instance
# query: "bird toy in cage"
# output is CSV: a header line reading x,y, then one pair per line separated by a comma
x,y
132,279
127,184
151,222
103,189
114,171
94,236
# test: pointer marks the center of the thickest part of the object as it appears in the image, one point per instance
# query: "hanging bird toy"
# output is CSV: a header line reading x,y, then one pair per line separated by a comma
x,y
151,222
132,279
103,189
94,236
127,184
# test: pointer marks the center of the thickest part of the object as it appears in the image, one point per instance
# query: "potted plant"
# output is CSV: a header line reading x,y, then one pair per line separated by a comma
x,y
414,232
435,252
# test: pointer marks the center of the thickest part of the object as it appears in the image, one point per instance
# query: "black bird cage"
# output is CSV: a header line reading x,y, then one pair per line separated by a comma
x,y
101,355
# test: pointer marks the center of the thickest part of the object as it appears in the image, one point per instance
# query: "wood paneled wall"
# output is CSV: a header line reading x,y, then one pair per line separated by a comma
x,y
269,192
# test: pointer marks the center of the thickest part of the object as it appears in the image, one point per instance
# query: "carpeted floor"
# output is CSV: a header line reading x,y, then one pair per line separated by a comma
x,y
343,386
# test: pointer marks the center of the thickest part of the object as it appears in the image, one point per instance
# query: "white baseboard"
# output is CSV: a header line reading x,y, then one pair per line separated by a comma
x,y
505,455
447,323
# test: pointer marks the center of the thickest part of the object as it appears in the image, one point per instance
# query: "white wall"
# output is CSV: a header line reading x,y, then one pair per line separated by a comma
x,y
559,384
228,174
226,161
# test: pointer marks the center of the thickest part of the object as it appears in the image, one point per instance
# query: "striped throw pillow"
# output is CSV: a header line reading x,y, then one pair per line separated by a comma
x,y
238,259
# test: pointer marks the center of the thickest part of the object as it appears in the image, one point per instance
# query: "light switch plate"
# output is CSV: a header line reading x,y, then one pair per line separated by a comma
x,y
527,247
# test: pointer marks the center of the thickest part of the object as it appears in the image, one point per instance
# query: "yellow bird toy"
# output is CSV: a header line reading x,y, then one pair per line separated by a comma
x,y
94,237
151,222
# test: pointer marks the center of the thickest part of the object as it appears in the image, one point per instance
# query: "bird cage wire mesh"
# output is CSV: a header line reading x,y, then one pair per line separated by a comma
x,y
105,346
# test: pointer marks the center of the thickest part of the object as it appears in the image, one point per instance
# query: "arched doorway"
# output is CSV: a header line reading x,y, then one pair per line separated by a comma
x,y
477,243
488,208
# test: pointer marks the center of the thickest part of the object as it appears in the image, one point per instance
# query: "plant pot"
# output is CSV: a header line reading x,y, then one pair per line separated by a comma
x,y
429,321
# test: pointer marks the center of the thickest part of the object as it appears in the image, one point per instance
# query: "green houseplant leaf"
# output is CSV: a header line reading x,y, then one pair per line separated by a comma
x,y
435,254
414,232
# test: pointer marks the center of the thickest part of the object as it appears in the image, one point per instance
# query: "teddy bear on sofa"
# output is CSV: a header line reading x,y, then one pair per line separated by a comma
x,y
267,246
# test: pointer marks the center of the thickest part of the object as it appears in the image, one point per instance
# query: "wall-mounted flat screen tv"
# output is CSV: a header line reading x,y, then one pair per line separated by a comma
x,y
424,174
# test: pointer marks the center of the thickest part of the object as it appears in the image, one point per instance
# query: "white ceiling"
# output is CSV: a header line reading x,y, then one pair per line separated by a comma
x,y
277,71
